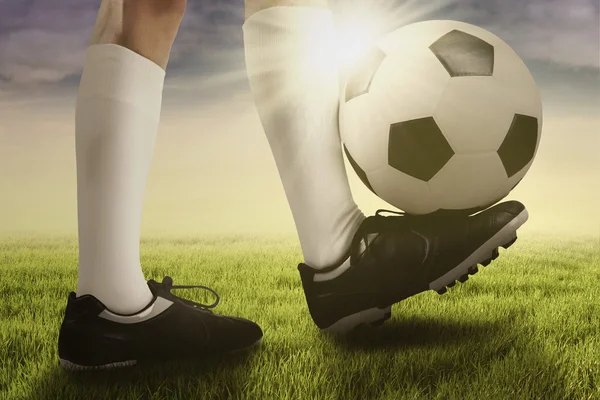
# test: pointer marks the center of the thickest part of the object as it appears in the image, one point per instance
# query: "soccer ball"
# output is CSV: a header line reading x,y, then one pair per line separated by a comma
x,y
440,116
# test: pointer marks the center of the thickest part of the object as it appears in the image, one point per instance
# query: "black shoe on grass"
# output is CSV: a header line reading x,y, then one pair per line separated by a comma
x,y
395,257
169,328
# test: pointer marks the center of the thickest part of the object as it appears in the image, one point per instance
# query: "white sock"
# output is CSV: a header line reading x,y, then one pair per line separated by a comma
x,y
118,109
296,91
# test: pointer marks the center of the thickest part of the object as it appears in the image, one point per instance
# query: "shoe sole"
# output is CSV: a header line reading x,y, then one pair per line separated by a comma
x,y
72,367
372,316
484,255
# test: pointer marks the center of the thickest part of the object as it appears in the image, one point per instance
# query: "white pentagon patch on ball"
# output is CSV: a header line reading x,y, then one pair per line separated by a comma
x,y
441,116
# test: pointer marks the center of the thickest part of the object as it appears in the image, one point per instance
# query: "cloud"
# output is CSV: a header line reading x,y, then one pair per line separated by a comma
x,y
563,32
43,42
558,31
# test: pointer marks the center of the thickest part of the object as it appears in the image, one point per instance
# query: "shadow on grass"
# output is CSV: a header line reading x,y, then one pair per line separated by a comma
x,y
411,357
434,352
417,332
215,377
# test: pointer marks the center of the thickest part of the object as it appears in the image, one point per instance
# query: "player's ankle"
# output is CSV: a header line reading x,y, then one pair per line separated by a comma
x,y
333,253
126,301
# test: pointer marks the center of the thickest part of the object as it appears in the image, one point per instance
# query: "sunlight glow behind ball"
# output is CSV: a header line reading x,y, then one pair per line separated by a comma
x,y
354,39
440,115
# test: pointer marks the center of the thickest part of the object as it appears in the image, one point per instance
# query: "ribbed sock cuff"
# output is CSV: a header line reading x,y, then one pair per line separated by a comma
x,y
117,73
290,39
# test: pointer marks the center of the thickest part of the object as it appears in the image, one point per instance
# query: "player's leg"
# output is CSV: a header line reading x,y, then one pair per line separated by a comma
x,y
118,109
117,114
117,318
297,98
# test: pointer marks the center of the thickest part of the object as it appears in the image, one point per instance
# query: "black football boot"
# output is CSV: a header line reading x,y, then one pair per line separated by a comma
x,y
91,336
395,257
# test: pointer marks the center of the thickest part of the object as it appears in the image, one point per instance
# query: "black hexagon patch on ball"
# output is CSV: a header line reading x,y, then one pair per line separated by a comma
x,y
518,147
359,171
463,54
361,76
418,148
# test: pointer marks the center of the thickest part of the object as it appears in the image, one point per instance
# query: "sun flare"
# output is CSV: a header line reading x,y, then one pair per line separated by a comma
x,y
353,40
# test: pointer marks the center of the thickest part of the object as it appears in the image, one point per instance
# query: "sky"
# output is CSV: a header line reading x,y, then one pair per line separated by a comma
x,y
213,171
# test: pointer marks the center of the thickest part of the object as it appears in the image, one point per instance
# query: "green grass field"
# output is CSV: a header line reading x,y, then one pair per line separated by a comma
x,y
526,327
